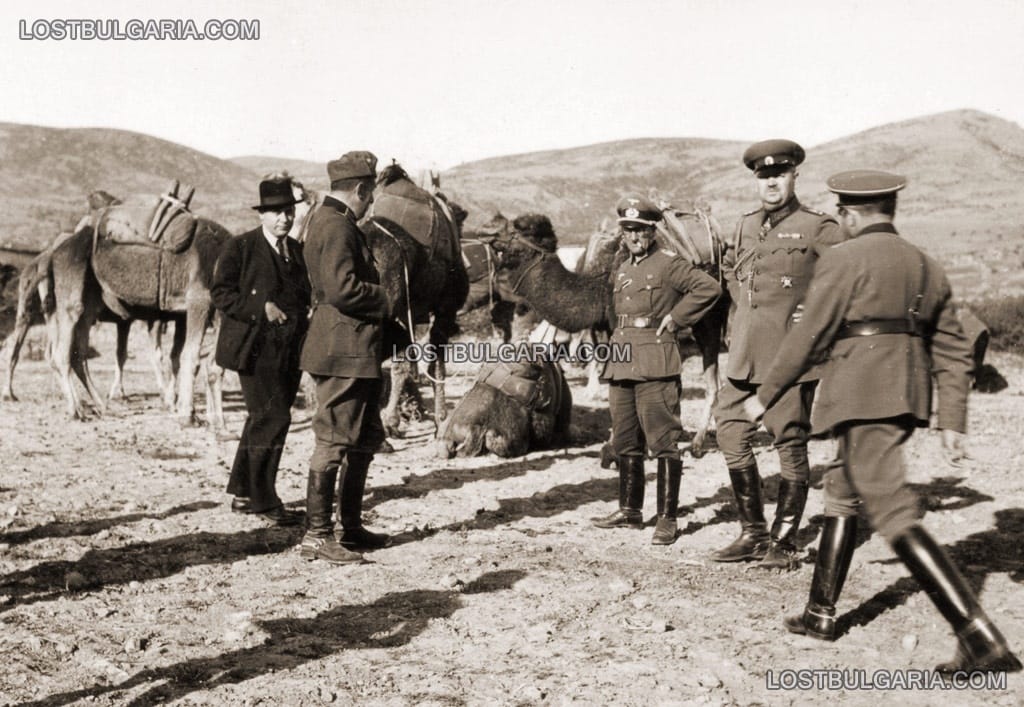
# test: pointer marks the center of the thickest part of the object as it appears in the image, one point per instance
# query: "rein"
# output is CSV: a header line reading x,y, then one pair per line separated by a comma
x,y
544,254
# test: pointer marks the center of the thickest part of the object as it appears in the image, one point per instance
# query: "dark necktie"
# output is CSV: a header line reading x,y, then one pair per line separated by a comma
x,y
282,249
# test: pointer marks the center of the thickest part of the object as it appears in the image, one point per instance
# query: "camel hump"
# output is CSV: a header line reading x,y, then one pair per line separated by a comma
x,y
400,204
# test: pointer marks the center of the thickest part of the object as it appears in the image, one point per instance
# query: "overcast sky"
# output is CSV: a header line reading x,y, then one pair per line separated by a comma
x,y
439,82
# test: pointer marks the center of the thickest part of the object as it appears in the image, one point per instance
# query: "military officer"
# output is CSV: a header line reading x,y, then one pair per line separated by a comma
x,y
655,294
343,353
883,310
768,266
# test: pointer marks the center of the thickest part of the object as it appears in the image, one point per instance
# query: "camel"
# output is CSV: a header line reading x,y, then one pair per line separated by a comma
x,y
414,237
141,262
481,261
36,305
531,271
512,408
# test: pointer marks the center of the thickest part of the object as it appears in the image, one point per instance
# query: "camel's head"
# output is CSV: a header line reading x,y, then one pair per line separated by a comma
x,y
532,237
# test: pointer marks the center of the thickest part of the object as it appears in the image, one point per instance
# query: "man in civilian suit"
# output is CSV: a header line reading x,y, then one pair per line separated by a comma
x,y
262,290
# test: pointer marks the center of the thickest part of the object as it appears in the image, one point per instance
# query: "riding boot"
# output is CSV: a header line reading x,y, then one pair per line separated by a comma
x,y
670,474
782,552
835,551
981,647
350,506
753,540
631,496
318,543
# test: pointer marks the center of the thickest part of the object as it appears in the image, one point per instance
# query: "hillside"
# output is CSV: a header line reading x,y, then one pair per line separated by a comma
x,y
311,174
46,174
965,168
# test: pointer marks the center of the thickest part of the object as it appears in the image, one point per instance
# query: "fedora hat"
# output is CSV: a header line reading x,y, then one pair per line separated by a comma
x,y
275,195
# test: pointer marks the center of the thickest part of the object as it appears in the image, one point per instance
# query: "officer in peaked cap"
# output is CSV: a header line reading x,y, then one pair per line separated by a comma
x,y
767,267
655,294
343,352
882,311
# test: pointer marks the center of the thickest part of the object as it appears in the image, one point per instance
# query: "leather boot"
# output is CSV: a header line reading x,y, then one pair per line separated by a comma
x,y
835,551
631,496
318,542
753,540
670,474
981,647
782,552
350,506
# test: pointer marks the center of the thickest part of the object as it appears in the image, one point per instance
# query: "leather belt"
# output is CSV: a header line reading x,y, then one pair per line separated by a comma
x,y
874,327
624,321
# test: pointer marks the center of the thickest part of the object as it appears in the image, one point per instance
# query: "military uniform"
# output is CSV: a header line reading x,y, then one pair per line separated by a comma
x,y
644,390
768,267
343,352
882,311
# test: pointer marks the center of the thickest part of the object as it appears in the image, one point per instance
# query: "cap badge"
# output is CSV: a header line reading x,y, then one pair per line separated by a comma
x,y
632,212
769,161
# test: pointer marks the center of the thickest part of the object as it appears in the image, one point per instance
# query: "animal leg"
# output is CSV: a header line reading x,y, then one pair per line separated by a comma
x,y
14,342
214,380
707,335
197,317
400,373
117,387
155,330
80,363
177,346
440,401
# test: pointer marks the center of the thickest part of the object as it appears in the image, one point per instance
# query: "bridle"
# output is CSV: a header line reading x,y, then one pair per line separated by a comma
x,y
544,254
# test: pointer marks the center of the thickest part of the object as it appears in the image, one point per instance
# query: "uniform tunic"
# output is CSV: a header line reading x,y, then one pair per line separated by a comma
x,y
644,388
344,346
768,268
876,389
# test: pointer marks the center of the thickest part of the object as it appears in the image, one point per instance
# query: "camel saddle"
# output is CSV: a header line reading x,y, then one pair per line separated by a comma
x,y
478,258
166,224
536,385
133,248
423,216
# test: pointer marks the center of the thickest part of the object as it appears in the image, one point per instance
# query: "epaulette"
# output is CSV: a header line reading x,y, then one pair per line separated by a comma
x,y
666,251
809,210
751,213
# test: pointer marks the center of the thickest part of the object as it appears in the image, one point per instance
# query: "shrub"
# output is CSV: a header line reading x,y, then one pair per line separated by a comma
x,y
1005,319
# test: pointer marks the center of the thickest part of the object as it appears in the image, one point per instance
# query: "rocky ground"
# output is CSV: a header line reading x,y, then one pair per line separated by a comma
x,y
124,579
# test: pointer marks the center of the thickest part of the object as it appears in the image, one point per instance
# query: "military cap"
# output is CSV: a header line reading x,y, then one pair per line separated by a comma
x,y
634,208
275,195
353,165
773,153
864,186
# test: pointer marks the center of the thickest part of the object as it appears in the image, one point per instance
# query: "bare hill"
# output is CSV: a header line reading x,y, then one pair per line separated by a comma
x,y
966,171
311,174
46,174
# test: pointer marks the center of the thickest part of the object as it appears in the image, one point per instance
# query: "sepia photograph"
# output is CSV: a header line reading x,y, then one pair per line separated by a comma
x,y
403,353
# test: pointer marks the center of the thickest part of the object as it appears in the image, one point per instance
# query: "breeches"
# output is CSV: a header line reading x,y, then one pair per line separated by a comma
x,y
347,419
788,421
645,415
873,473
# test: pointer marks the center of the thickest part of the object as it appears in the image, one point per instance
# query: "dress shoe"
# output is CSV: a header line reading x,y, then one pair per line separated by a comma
x,y
240,504
316,547
280,516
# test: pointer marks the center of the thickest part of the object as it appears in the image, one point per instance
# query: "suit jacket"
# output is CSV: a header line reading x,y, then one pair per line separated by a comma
x,y
349,305
244,280
768,277
661,283
877,276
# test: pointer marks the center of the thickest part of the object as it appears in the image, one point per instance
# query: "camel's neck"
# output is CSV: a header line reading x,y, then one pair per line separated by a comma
x,y
569,301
